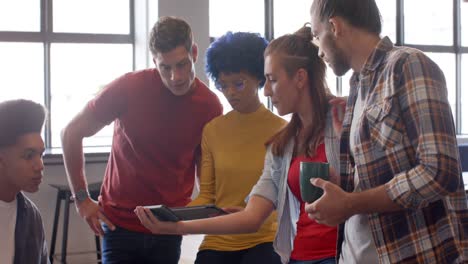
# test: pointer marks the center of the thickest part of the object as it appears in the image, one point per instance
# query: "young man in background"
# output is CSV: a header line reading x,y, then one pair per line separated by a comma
x,y
21,148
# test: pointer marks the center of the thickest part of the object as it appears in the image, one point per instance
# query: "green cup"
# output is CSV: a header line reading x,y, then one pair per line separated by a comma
x,y
309,170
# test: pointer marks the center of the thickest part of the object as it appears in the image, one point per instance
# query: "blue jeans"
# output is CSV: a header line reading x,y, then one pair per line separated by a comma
x,y
261,253
318,261
124,246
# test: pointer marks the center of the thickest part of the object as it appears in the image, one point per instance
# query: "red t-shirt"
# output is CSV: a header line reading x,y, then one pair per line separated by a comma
x,y
156,136
313,241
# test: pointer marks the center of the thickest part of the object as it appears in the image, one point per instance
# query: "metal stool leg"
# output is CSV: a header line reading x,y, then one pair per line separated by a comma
x,y
98,248
54,228
65,228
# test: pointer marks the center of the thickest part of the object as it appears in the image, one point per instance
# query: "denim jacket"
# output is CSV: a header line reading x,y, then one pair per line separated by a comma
x,y
30,243
273,185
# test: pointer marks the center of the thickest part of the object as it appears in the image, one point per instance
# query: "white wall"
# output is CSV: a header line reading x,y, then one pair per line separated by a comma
x,y
80,237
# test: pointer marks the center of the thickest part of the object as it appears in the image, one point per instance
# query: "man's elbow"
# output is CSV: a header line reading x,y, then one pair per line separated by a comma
x,y
69,134
448,177
66,134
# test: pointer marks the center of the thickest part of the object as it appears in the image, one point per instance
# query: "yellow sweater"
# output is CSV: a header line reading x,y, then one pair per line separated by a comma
x,y
233,154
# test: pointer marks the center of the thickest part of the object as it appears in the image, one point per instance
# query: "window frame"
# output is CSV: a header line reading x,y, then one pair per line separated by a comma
x,y
456,48
138,34
47,37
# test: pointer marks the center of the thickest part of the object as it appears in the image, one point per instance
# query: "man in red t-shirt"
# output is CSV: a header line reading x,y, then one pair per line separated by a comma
x,y
159,115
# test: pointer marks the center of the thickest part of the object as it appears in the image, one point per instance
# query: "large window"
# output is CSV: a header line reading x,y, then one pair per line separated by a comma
x,y
442,38
20,15
22,71
439,28
102,16
75,81
62,53
436,17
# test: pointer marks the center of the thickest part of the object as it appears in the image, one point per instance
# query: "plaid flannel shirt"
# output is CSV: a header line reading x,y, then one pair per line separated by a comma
x,y
406,141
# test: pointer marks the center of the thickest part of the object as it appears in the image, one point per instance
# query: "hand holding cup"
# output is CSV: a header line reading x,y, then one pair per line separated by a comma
x,y
309,170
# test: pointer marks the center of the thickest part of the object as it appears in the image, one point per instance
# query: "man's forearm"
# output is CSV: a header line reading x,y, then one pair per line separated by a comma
x,y
74,164
375,200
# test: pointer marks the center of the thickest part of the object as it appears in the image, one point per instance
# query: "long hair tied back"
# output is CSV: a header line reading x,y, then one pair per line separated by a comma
x,y
296,51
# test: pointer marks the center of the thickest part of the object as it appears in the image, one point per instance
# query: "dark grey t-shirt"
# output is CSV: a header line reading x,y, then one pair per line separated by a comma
x,y
30,243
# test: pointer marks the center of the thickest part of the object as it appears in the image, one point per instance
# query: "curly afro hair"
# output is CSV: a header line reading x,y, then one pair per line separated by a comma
x,y
236,52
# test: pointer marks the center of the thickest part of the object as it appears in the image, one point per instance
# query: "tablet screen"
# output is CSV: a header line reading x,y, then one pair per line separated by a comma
x,y
174,214
197,212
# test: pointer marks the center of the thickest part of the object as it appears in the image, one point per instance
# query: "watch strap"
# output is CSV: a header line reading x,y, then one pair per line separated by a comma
x,y
81,195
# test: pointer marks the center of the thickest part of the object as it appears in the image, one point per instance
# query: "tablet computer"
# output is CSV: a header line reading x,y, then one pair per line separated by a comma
x,y
174,214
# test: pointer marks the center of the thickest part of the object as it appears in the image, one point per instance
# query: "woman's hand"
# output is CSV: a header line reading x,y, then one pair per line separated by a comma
x,y
149,221
338,105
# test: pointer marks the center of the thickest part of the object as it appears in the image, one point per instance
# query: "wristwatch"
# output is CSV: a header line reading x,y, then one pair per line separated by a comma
x,y
81,195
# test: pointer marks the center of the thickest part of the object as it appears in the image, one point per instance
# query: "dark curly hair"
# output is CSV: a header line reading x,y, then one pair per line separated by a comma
x,y
19,117
236,52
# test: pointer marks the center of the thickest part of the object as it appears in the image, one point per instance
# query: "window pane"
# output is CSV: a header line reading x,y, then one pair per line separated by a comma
x,y
446,62
79,72
464,94
345,83
428,22
464,23
22,68
225,14
331,81
20,15
388,12
153,16
91,16
290,17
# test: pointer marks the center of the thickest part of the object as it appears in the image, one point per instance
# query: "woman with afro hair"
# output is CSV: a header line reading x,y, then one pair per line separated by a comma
x,y
233,147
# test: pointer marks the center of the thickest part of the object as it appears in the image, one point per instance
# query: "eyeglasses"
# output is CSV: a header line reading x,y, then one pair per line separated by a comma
x,y
238,85
315,40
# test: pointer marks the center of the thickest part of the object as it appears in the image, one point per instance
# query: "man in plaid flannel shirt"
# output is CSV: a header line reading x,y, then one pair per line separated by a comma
x,y
400,196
